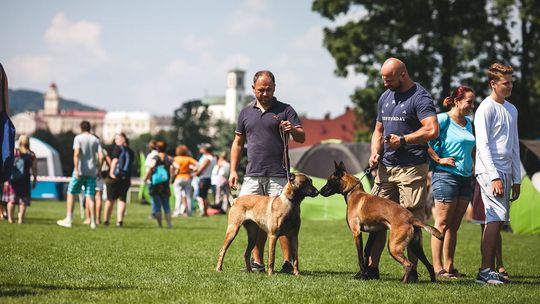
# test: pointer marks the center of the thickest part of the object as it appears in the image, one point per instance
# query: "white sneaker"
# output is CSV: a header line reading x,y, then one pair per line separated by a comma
x,y
64,223
93,225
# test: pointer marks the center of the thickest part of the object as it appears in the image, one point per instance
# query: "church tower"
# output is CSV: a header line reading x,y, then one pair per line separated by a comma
x,y
234,95
52,101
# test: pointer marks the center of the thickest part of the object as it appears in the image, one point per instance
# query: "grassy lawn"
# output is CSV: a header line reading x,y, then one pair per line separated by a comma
x,y
45,263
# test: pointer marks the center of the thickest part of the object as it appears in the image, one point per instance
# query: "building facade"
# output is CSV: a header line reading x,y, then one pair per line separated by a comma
x,y
55,120
134,124
228,107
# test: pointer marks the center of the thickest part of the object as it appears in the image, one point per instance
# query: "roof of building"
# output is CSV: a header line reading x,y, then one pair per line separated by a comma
x,y
76,113
342,127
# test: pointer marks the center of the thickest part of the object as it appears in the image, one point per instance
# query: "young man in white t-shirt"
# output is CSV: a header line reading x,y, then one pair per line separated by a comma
x,y
497,168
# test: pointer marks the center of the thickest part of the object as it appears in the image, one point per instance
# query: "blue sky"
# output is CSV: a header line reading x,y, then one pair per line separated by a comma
x,y
154,55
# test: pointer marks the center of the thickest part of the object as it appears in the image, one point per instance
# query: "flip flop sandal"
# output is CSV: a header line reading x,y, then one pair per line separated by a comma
x,y
445,274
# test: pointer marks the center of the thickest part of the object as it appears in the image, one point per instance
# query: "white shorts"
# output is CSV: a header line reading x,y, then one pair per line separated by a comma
x,y
496,208
270,186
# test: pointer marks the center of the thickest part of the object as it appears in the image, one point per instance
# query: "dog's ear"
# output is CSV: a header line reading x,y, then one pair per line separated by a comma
x,y
336,165
342,166
292,177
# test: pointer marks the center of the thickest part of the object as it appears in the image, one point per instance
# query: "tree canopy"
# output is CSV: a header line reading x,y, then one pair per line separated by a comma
x,y
443,43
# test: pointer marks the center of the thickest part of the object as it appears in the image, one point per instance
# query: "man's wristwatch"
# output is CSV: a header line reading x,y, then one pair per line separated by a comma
x,y
402,141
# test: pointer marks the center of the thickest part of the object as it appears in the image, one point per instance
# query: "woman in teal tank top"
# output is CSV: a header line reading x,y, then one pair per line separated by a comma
x,y
452,162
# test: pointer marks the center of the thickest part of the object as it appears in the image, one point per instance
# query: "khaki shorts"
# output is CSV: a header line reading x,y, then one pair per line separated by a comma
x,y
270,186
404,185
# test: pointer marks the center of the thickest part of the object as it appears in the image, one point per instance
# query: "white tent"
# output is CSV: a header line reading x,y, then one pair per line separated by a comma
x,y
48,159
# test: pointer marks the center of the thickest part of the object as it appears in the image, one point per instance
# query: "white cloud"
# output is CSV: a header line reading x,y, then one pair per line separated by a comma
x,y
73,52
249,18
235,61
197,43
311,39
36,69
179,67
66,36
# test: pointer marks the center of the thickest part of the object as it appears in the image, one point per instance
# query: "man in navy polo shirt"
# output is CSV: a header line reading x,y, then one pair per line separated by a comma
x,y
406,121
259,124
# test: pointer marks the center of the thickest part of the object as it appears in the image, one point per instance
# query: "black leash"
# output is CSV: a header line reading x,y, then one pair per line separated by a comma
x,y
285,162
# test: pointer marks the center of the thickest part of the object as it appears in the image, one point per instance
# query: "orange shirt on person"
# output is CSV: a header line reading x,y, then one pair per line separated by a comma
x,y
184,162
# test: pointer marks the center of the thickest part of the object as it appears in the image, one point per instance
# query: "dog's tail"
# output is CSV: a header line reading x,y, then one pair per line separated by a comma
x,y
432,230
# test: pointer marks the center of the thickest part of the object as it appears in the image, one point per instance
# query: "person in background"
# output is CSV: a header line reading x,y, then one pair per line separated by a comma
x,y
158,175
87,158
144,187
204,172
119,179
23,177
452,176
100,185
220,175
184,165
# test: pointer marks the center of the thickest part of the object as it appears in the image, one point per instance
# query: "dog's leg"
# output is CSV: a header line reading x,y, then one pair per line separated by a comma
x,y
272,239
232,231
361,275
367,250
416,247
252,230
399,238
294,247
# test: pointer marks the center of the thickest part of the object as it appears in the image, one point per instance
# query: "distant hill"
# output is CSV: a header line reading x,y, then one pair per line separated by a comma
x,y
28,100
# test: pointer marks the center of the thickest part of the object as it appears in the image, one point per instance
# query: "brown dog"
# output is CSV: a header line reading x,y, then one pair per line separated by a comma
x,y
369,213
277,216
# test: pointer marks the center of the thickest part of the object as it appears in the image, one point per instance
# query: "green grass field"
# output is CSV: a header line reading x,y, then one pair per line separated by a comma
x,y
45,263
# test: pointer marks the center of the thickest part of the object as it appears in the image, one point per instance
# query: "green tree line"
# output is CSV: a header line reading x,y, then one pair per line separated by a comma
x,y
444,44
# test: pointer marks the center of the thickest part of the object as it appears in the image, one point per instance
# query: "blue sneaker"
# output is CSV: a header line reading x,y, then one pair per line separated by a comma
x,y
488,276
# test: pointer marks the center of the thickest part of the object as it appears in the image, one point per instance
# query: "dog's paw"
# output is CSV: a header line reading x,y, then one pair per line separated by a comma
x,y
218,269
297,273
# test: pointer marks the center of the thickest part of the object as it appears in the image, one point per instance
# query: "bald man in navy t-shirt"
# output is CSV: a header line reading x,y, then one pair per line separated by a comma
x,y
406,121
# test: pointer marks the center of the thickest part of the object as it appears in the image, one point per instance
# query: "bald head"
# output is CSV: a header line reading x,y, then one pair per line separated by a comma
x,y
393,66
395,76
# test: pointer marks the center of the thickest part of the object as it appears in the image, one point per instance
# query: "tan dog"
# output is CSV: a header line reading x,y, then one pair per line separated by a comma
x,y
277,216
369,213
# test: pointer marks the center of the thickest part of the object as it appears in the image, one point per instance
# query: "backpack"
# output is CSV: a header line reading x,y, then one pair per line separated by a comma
x,y
7,131
160,173
123,167
17,172
437,143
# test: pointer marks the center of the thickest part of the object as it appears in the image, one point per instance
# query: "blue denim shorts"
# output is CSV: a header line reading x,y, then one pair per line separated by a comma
x,y
448,187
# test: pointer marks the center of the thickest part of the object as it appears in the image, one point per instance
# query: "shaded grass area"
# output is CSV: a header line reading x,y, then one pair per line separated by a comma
x,y
44,263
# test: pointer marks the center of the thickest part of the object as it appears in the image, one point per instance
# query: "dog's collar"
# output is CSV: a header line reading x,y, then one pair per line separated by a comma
x,y
346,193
